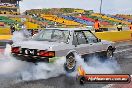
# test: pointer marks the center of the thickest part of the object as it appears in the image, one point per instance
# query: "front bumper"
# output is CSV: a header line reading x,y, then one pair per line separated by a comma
x,y
29,58
113,49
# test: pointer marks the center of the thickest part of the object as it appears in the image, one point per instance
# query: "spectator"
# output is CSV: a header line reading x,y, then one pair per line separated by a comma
x,y
17,27
23,26
97,26
55,24
119,27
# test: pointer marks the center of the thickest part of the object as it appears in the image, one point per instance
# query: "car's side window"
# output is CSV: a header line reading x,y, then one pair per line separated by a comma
x,y
75,42
90,37
79,38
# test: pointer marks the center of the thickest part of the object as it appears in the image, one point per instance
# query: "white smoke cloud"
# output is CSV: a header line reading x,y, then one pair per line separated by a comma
x,y
19,36
97,66
44,70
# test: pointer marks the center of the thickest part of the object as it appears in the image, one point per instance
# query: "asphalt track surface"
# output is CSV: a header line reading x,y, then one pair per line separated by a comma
x,y
123,55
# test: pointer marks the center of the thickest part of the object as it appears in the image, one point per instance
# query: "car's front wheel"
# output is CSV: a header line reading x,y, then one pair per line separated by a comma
x,y
70,64
109,54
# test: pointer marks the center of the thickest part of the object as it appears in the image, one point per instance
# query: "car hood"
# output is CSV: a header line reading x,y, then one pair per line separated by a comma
x,y
110,43
107,42
41,45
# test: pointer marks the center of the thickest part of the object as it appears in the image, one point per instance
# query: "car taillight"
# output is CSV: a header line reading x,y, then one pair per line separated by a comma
x,y
46,53
15,50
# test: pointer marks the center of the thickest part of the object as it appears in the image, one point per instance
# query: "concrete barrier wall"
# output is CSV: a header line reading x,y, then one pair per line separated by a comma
x,y
5,37
115,35
5,31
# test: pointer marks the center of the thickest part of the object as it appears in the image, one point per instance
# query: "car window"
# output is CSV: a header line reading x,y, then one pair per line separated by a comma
x,y
62,35
90,37
45,35
79,38
75,42
52,35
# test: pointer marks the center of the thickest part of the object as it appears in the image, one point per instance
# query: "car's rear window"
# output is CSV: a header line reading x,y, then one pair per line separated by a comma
x,y
52,35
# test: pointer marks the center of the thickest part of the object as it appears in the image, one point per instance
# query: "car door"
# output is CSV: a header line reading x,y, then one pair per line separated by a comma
x,y
93,41
80,42
85,42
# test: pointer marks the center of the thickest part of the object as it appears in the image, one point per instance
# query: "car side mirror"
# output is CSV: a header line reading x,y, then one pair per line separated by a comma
x,y
99,40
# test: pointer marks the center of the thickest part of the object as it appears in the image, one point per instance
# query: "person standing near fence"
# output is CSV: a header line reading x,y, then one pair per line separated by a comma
x,y
97,26
119,27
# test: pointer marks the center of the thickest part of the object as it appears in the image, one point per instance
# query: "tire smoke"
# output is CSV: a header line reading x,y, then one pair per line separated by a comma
x,y
96,66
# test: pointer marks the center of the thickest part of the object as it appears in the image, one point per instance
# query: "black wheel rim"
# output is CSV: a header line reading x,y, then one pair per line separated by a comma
x,y
70,62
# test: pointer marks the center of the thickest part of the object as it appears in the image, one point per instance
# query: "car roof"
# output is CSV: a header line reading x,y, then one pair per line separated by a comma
x,y
68,28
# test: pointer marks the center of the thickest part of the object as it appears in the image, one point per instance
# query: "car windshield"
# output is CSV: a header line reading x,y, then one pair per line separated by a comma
x,y
52,35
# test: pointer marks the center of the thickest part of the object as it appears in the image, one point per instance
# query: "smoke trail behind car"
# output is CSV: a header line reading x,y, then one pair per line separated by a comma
x,y
29,71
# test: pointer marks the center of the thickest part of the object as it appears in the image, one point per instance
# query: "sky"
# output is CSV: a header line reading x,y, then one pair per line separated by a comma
x,y
108,7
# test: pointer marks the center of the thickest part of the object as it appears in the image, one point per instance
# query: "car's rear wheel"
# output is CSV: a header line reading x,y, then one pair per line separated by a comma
x,y
70,64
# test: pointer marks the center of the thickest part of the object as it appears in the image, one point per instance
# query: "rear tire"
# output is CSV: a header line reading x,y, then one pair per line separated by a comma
x,y
70,64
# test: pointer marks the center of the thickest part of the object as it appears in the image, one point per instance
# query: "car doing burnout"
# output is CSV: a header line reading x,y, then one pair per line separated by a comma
x,y
52,43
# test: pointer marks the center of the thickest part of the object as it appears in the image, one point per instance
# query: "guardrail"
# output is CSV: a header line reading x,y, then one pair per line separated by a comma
x,y
5,37
115,35
5,31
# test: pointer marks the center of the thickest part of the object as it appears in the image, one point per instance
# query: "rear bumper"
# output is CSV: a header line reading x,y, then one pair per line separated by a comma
x,y
29,58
